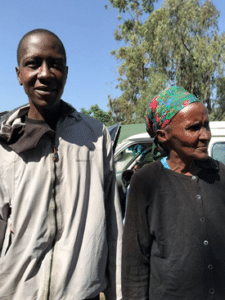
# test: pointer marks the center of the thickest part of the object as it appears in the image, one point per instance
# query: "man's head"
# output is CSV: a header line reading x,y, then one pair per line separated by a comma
x,y
42,70
22,43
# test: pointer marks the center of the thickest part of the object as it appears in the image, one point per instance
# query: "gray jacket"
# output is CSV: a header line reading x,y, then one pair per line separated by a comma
x,y
63,223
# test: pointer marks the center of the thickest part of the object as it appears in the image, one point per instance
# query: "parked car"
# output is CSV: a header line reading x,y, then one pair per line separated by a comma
x,y
217,143
137,149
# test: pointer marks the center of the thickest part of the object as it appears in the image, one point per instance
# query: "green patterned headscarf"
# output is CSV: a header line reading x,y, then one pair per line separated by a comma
x,y
165,106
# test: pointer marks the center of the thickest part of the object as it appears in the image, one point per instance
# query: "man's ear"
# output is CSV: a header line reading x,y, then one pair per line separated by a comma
x,y
18,75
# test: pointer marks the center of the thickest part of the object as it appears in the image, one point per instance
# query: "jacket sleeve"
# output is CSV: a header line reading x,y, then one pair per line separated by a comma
x,y
136,242
114,224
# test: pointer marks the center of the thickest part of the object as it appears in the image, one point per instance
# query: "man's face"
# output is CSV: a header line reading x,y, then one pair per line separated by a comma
x,y
42,71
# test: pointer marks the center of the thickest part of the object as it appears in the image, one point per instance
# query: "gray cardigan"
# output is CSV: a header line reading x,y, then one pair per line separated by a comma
x,y
174,236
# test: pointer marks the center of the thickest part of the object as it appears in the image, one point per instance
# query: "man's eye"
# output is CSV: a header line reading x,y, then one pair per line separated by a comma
x,y
57,65
31,64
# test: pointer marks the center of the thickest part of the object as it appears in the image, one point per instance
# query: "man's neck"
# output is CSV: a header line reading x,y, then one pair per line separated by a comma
x,y
50,116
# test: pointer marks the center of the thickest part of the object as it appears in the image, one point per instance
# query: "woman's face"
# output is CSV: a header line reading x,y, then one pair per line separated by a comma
x,y
189,134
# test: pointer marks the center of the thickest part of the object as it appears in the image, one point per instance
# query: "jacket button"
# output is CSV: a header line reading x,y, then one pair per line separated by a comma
x,y
210,267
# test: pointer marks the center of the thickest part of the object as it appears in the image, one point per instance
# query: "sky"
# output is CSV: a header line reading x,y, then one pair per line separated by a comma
x,y
86,30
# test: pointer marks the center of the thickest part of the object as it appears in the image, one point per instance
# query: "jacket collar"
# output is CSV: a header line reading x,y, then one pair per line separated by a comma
x,y
16,129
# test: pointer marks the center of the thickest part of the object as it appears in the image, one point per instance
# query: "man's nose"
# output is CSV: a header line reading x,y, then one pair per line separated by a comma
x,y
44,71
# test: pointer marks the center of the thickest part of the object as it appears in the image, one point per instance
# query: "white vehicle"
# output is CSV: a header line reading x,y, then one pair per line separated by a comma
x,y
137,149
217,143
129,152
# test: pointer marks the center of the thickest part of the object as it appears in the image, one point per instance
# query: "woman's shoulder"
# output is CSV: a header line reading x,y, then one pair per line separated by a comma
x,y
156,166
148,172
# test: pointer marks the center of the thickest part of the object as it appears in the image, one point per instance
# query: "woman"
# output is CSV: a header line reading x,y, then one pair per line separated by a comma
x,y
174,235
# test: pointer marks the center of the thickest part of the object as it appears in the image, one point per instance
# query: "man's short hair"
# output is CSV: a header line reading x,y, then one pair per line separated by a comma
x,y
36,32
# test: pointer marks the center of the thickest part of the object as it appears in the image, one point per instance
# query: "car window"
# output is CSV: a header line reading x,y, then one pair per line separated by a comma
x,y
129,155
218,151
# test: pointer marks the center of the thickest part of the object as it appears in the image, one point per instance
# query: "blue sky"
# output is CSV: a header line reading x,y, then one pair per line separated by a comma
x,y
86,29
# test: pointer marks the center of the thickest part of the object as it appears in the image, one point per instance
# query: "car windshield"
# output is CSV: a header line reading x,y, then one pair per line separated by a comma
x,y
128,155
140,154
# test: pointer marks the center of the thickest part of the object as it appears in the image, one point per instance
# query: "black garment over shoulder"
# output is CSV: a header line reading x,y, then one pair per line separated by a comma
x,y
174,235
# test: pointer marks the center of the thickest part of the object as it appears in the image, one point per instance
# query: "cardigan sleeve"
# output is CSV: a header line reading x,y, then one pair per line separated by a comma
x,y
137,241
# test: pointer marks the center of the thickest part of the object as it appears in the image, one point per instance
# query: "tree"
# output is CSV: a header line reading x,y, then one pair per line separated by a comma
x,y
184,43
133,71
218,110
99,114
177,44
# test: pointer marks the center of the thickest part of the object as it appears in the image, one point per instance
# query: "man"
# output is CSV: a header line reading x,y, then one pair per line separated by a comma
x,y
60,220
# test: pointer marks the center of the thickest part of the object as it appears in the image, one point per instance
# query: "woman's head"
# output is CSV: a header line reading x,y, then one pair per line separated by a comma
x,y
165,105
187,135
181,123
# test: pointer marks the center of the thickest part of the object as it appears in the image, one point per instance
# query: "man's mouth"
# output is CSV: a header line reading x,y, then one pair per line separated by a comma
x,y
45,90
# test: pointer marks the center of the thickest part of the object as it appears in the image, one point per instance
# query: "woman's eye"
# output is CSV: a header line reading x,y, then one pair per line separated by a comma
x,y
206,125
194,127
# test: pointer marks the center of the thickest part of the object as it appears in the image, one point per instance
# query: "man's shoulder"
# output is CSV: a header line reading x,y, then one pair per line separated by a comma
x,y
84,120
6,114
84,129
91,124
91,120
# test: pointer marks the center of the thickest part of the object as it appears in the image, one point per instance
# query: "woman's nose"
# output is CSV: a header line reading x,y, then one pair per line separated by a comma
x,y
205,134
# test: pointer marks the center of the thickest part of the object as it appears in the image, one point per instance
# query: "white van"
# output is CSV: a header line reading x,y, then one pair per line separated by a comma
x,y
138,149
217,143
131,150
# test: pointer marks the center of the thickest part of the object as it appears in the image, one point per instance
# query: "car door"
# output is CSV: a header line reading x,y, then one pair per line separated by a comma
x,y
114,132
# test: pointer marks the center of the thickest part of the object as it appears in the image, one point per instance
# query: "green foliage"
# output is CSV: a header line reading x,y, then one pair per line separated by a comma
x,y
127,5
184,43
99,114
157,83
176,44
218,110
133,71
